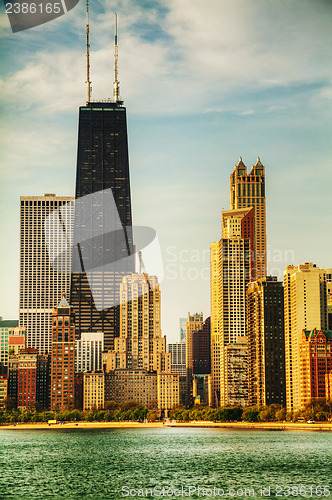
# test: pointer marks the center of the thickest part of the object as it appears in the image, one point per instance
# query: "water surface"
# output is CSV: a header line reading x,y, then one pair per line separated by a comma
x,y
106,464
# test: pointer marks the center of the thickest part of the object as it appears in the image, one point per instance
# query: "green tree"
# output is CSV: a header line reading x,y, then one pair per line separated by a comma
x,y
265,415
109,416
281,414
251,415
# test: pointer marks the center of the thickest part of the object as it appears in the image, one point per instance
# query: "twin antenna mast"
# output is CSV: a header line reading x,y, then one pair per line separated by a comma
x,y
88,81
116,83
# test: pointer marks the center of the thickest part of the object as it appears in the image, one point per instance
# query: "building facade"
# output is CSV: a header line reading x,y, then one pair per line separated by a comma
x,y
29,378
88,352
315,364
6,326
183,323
266,342
329,298
3,390
328,386
231,271
102,164
248,190
305,307
168,390
93,390
201,341
194,323
16,340
140,344
178,358
236,373
139,353
41,286
137,385
63,357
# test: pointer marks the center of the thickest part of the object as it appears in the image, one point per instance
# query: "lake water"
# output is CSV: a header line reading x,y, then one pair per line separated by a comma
x,y
189,463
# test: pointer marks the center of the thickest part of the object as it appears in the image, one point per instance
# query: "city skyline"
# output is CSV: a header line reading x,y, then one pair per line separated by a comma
x,y
183,141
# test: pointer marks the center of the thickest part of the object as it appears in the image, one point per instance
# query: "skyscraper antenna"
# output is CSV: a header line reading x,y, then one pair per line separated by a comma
x,y
88,82
116,90
140,262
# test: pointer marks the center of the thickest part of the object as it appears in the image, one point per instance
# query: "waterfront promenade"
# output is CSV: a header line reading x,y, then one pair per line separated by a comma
x,y
287,426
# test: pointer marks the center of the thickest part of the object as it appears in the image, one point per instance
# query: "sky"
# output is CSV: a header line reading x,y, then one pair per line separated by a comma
x,y
203,83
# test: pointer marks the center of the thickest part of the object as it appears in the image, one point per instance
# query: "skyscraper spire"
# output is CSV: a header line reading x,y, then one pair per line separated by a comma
x,y
116,90
88,82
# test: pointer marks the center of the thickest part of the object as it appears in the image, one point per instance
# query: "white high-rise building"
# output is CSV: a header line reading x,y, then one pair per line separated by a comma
x,y
88,351
305,305
178,358
41,287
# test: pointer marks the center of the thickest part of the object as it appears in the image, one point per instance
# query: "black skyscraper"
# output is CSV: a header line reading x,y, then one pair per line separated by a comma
x,y
102,164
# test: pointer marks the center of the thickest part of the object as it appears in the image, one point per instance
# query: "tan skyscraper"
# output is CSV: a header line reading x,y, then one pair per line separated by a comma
x,y
248,190
214,389
139,368
40,285
231,270
140,344
305,302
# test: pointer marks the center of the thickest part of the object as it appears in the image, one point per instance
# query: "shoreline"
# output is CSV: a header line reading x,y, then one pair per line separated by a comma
x,y
278,426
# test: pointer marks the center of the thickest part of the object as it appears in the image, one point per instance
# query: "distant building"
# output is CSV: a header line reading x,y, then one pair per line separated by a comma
x,y
140,351
17,340
88,351
266,342
232,264
63,357
168,390
132,385
315,364
5,327
328,386
329,298
246,191
140,345
183,323
194,323
305,307
102,165
93,390
201,389
236,373
201,340
41,286
178,358
78,399
200,365
3,390
29,378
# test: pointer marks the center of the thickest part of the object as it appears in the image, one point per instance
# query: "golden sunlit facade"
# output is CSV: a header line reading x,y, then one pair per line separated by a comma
x,y
231,270
305,307
248,190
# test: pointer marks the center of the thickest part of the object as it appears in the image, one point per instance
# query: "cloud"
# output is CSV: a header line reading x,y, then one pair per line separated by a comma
x,y
181,56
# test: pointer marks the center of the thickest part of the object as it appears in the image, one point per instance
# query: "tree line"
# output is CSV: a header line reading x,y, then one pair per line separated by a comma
x,y
317,409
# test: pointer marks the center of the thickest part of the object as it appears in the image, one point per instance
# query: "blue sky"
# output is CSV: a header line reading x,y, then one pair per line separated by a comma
x,y
203,85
